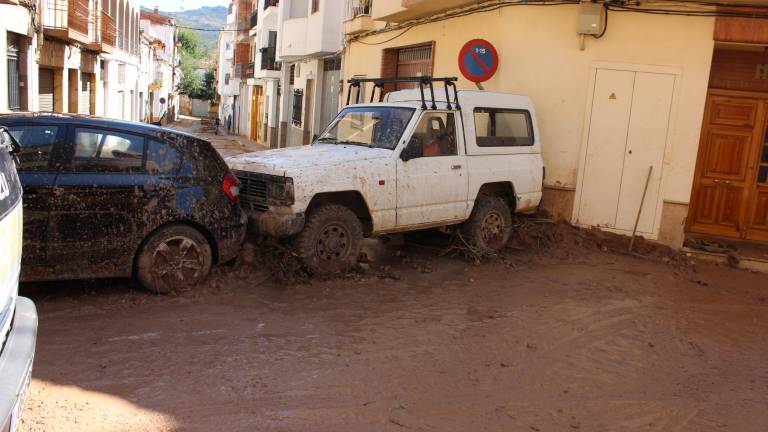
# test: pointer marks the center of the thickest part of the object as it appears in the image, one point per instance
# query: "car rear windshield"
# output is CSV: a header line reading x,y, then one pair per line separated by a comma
x,y
200,159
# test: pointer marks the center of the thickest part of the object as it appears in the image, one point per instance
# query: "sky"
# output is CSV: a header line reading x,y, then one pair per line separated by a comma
x,y
178,5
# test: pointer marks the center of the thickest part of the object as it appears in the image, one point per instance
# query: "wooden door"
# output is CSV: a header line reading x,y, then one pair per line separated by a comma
x,y
725,172
256,114
758,209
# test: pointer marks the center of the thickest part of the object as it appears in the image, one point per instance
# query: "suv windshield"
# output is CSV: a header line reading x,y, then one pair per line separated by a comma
x,y
379,127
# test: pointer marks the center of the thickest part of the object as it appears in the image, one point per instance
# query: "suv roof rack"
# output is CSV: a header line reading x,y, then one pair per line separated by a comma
x,y
423,81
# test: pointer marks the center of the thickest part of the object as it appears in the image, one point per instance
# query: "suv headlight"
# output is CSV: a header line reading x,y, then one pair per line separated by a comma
x,y
280,191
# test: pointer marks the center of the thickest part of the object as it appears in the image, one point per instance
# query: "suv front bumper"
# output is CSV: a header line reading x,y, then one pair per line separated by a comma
x,y
276,224
16,363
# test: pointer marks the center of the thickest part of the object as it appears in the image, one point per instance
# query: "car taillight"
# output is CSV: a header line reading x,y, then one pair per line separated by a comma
x,y
231,186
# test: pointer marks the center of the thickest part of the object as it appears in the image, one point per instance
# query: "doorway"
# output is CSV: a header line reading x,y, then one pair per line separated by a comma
x,y
256,114
730,192
329,105
627,131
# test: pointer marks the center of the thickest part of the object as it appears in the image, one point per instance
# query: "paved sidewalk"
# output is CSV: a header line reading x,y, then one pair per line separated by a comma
x,y
227,145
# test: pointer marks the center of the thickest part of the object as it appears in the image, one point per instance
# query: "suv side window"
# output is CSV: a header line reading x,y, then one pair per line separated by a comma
x,y
435,135
496,127
100,150
162,157
36,145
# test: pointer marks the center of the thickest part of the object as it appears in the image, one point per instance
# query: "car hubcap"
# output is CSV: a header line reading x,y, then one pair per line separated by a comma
x,y
493,229
177,261
333,243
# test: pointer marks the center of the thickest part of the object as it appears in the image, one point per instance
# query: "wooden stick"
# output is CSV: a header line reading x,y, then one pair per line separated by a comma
x,y
640,210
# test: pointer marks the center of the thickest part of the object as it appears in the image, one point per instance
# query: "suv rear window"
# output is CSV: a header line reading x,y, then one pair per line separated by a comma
x,y
496,127
36,145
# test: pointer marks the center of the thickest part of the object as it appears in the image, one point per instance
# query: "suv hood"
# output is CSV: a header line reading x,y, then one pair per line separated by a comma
x,y
286,160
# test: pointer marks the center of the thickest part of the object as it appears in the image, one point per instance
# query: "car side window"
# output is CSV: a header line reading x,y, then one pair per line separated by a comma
x,y
435,135
162,157
503,128
36,145
99,150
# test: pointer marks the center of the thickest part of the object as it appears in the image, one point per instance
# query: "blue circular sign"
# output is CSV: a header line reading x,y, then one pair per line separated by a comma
x,y
478,60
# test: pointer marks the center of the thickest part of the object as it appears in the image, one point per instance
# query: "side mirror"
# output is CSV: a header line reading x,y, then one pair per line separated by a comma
x,y
411,151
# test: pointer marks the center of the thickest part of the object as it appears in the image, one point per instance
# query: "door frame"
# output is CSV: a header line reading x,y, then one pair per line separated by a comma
x,y
626,67
751,179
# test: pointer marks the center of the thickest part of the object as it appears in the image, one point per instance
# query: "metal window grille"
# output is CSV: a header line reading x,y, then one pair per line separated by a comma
x,y
298,101
14,91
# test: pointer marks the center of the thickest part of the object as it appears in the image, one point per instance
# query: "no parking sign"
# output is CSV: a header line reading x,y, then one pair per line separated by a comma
x,y
478,60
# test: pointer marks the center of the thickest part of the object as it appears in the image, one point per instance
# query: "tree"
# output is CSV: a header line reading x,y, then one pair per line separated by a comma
x,y
191,44
192,52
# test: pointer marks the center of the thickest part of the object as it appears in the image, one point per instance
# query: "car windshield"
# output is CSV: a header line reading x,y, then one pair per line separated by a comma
x,y
379,127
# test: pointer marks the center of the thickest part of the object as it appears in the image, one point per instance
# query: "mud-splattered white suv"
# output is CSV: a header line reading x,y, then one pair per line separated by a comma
x,y
18,317
405,163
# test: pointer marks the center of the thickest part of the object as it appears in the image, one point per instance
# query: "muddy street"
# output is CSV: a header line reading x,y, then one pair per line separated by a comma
x,y
587,340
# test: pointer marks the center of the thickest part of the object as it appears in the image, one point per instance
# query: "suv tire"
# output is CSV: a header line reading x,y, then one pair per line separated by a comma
x,y
174,257
330,241
490,224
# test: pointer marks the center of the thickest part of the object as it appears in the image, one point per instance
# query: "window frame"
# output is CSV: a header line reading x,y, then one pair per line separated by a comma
x,y
55,155
68,164
297,110
528,118
456,133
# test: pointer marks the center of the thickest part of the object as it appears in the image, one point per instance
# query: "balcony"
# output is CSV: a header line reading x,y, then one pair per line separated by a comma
x,y
358,17
244,70
268,60
254,23
107,35
405,10
69,20
270,3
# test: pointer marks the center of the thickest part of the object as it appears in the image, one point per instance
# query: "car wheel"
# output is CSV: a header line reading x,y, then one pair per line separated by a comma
x,y
330,241
173,258
490,224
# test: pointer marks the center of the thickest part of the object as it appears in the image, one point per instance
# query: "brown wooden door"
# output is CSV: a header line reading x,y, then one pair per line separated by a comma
x,y
723,185
758,209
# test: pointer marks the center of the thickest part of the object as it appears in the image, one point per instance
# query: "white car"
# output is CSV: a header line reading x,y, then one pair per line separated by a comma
x,y
18,316
406,163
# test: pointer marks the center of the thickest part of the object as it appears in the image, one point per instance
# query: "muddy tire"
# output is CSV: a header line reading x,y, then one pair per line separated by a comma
x,y
175,257
330,241
490,224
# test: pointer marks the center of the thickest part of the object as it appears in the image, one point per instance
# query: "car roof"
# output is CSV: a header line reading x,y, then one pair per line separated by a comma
x,y
93,121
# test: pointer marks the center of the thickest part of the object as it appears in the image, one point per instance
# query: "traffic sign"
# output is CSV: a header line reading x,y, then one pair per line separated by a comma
x,y
478,60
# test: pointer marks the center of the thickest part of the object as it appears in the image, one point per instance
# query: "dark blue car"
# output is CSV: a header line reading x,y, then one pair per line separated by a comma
x,y
108,198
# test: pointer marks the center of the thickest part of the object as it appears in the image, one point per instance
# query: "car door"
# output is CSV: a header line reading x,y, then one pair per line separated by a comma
x,y
432,182
96,201
38,166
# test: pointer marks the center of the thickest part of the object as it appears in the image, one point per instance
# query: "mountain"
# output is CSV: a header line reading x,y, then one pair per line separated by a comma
x,y
206,17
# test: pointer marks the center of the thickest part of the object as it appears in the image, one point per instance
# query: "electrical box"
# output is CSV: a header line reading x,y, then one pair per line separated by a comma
x,y
590,18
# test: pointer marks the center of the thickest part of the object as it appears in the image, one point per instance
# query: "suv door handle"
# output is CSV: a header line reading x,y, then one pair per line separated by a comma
x,y
455,167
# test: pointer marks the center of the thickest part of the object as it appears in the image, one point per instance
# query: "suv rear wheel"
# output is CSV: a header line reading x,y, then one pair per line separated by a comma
x,y
174,257
330,241
490,224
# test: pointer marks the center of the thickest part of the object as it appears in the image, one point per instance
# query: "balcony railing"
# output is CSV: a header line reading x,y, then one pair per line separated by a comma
x,y
356,8
108,29
254,18
270,3
244,70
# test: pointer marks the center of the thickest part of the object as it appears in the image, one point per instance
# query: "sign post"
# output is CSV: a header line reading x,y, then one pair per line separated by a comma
x,y
478,61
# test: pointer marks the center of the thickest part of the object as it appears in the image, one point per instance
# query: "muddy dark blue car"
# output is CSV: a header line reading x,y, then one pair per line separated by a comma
x,y
108,198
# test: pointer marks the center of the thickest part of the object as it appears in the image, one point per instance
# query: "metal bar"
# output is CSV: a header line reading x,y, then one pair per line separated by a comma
x,y
432,92
373,92
455,94
447,98
421,89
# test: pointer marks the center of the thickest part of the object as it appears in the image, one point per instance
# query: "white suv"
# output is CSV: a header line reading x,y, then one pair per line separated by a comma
x,y
405,163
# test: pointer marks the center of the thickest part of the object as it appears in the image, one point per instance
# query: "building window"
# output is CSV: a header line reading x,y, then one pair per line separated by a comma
x,y
227,76
503,128
298,101
315,5
121,73
292,77
297,9
14,86
406,62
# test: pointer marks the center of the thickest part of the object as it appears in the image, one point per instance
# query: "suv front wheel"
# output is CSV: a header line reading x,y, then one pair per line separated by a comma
x,y
330,241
